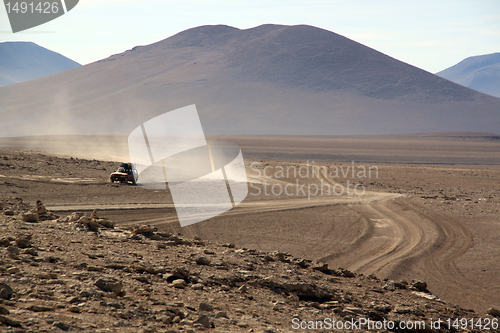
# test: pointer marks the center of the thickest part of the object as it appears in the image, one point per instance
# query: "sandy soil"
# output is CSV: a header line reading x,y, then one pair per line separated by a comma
x,y
437,223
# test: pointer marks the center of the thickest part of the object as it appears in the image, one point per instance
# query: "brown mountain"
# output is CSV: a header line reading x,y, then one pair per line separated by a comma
x,y
270,79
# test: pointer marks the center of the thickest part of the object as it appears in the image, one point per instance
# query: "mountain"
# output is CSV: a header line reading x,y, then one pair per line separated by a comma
x,y
271,79
23,61
481,73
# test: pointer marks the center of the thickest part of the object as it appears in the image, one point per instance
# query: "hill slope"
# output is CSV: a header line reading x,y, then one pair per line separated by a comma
x,y
271,79
481,73
23,61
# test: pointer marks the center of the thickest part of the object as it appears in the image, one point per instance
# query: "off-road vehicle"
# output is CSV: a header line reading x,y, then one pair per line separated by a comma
x,y
124,174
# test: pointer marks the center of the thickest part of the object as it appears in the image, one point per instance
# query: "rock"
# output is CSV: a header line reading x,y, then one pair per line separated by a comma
x,y
346,273
494,312
6,291
74,309
203,261
9,212
106,223
12,270
389,286
41,211
74,217
383,308
109,285
24,241
149,330
143,229
205,307
61,325
179,283
181,273
322,267
4,241
40,308
354,310
9,321
90,223
94,214
243,289
29,217
401,310
222,314
31,251
203,320
4,311
293,298
12,249
197,286
419,285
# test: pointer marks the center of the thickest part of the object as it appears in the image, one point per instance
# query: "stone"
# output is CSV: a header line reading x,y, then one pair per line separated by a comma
x,y
29,217
6,291
40,308
74,217
109,285
12,270
322,267
419,285
74,309
4,311
89,222
4,241
61,325
179,283
197,286
203,320
389,286
401,310
494,312
31,251
205,307
40,209
143,229
243,289
203,261
23,241
222,314
12,249
9,321
383,308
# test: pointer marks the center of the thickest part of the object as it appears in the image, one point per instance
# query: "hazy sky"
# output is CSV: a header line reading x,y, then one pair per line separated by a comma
x,y
430,34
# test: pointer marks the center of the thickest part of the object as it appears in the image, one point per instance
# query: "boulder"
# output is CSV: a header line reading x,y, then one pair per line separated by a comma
x,y
109,285
6,291
29,217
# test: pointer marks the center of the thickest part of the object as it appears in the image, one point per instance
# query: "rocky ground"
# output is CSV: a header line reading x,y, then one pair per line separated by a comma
x,y
74,274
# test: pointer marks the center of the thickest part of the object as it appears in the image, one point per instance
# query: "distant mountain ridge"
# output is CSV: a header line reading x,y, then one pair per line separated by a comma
x,y
23,61
481,73
271,79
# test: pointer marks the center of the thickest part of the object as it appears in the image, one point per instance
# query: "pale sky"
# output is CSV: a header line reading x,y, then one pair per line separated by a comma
x,y
430,34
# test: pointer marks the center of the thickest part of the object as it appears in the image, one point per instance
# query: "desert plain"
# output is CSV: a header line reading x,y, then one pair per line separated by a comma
x,y
420,207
